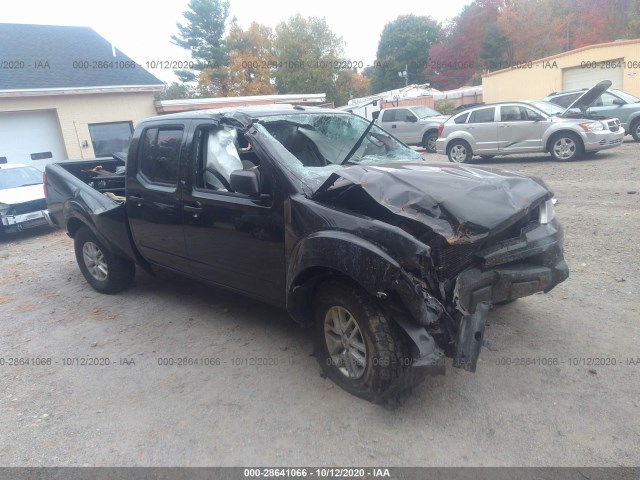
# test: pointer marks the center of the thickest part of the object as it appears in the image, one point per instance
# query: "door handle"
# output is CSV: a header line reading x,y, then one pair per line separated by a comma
x,y
195,210
503,125
136,199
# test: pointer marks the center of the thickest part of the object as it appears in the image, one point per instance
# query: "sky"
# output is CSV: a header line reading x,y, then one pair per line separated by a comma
x,y
142,28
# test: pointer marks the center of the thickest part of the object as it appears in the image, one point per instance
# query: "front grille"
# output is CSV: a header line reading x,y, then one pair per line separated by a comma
x,y
452,259
28,207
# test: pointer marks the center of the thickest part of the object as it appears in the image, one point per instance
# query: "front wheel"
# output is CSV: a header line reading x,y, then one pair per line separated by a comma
x,y
104,271
429,141
357,346
635,130
459,152
566,147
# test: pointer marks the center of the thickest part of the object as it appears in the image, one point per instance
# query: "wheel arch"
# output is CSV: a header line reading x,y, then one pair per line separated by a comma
x,y
552,136
356,261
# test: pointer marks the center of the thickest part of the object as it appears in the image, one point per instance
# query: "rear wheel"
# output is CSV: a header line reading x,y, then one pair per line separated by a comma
x,y
565,147
459,152
357,346
635,130
429,141
104,271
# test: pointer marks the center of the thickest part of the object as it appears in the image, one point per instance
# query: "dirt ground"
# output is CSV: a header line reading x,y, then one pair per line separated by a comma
x,y
546,393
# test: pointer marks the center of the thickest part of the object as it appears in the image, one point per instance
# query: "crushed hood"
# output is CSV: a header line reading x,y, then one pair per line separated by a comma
x,y
463,204
584,101
13,196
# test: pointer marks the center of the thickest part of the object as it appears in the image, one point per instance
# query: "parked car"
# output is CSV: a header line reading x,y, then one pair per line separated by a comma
x,y
22,202
611,103
417,125
393,261
518,127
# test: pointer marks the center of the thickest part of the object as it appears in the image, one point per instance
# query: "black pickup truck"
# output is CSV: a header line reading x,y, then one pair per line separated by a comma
x,y
395,262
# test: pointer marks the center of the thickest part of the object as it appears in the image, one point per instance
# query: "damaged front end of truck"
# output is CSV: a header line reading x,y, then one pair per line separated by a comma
x,y
452,242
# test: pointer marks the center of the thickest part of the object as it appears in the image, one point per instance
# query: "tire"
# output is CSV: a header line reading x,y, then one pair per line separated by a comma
x,y
429,141
566,147
382,349
635,130
105,272
459,152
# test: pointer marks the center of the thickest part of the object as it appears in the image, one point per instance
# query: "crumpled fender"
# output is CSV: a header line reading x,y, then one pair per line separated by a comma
x,y
362,261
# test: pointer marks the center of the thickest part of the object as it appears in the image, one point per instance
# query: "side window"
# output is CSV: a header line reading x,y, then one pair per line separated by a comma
x,y
530,114
160,155
606,100
402,114
511,113
483,115
461,118
389,116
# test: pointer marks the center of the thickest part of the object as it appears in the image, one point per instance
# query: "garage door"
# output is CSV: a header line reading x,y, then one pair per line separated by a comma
x,y
577,78
31,137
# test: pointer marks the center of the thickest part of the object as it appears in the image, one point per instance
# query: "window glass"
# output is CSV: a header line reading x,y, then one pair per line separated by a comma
x,y
530,114
110,138
484,115
401,115
389,116
19,177
511,113
461,118
566,100
160,155
606,100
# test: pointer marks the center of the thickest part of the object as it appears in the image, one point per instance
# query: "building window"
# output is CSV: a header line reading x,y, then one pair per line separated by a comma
x,y
110,138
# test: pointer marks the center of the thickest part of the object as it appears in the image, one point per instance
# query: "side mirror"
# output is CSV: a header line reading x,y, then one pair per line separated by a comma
x,y
411,118
246,182
618,102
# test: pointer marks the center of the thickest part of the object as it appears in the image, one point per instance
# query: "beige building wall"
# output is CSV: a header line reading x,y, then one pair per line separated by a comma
x,y
76,112
543,77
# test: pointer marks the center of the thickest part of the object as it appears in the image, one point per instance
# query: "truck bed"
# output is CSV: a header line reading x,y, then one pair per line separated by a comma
x,y
75,192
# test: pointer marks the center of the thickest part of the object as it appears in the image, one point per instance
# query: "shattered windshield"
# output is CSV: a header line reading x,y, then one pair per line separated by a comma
x,y
314,145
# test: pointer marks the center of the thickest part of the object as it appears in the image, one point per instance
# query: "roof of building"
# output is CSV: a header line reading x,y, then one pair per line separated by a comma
x,y
51,57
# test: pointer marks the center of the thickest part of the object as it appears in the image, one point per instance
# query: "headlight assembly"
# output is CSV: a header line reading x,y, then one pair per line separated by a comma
x,y
547,211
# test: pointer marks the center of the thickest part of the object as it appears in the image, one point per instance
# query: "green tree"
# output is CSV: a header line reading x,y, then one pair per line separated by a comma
x,y
309,54
203,35
494,49
633,22
404,44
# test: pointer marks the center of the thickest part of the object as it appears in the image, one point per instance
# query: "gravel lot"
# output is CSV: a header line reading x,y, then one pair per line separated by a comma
x,y
137,412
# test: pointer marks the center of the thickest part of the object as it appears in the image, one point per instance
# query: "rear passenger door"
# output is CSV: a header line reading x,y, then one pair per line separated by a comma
x,y
154,203
482,127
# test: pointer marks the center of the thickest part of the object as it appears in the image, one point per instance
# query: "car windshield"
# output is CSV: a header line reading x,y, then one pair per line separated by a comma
x,y
626,96
19,177
314,145
548,107
424,112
